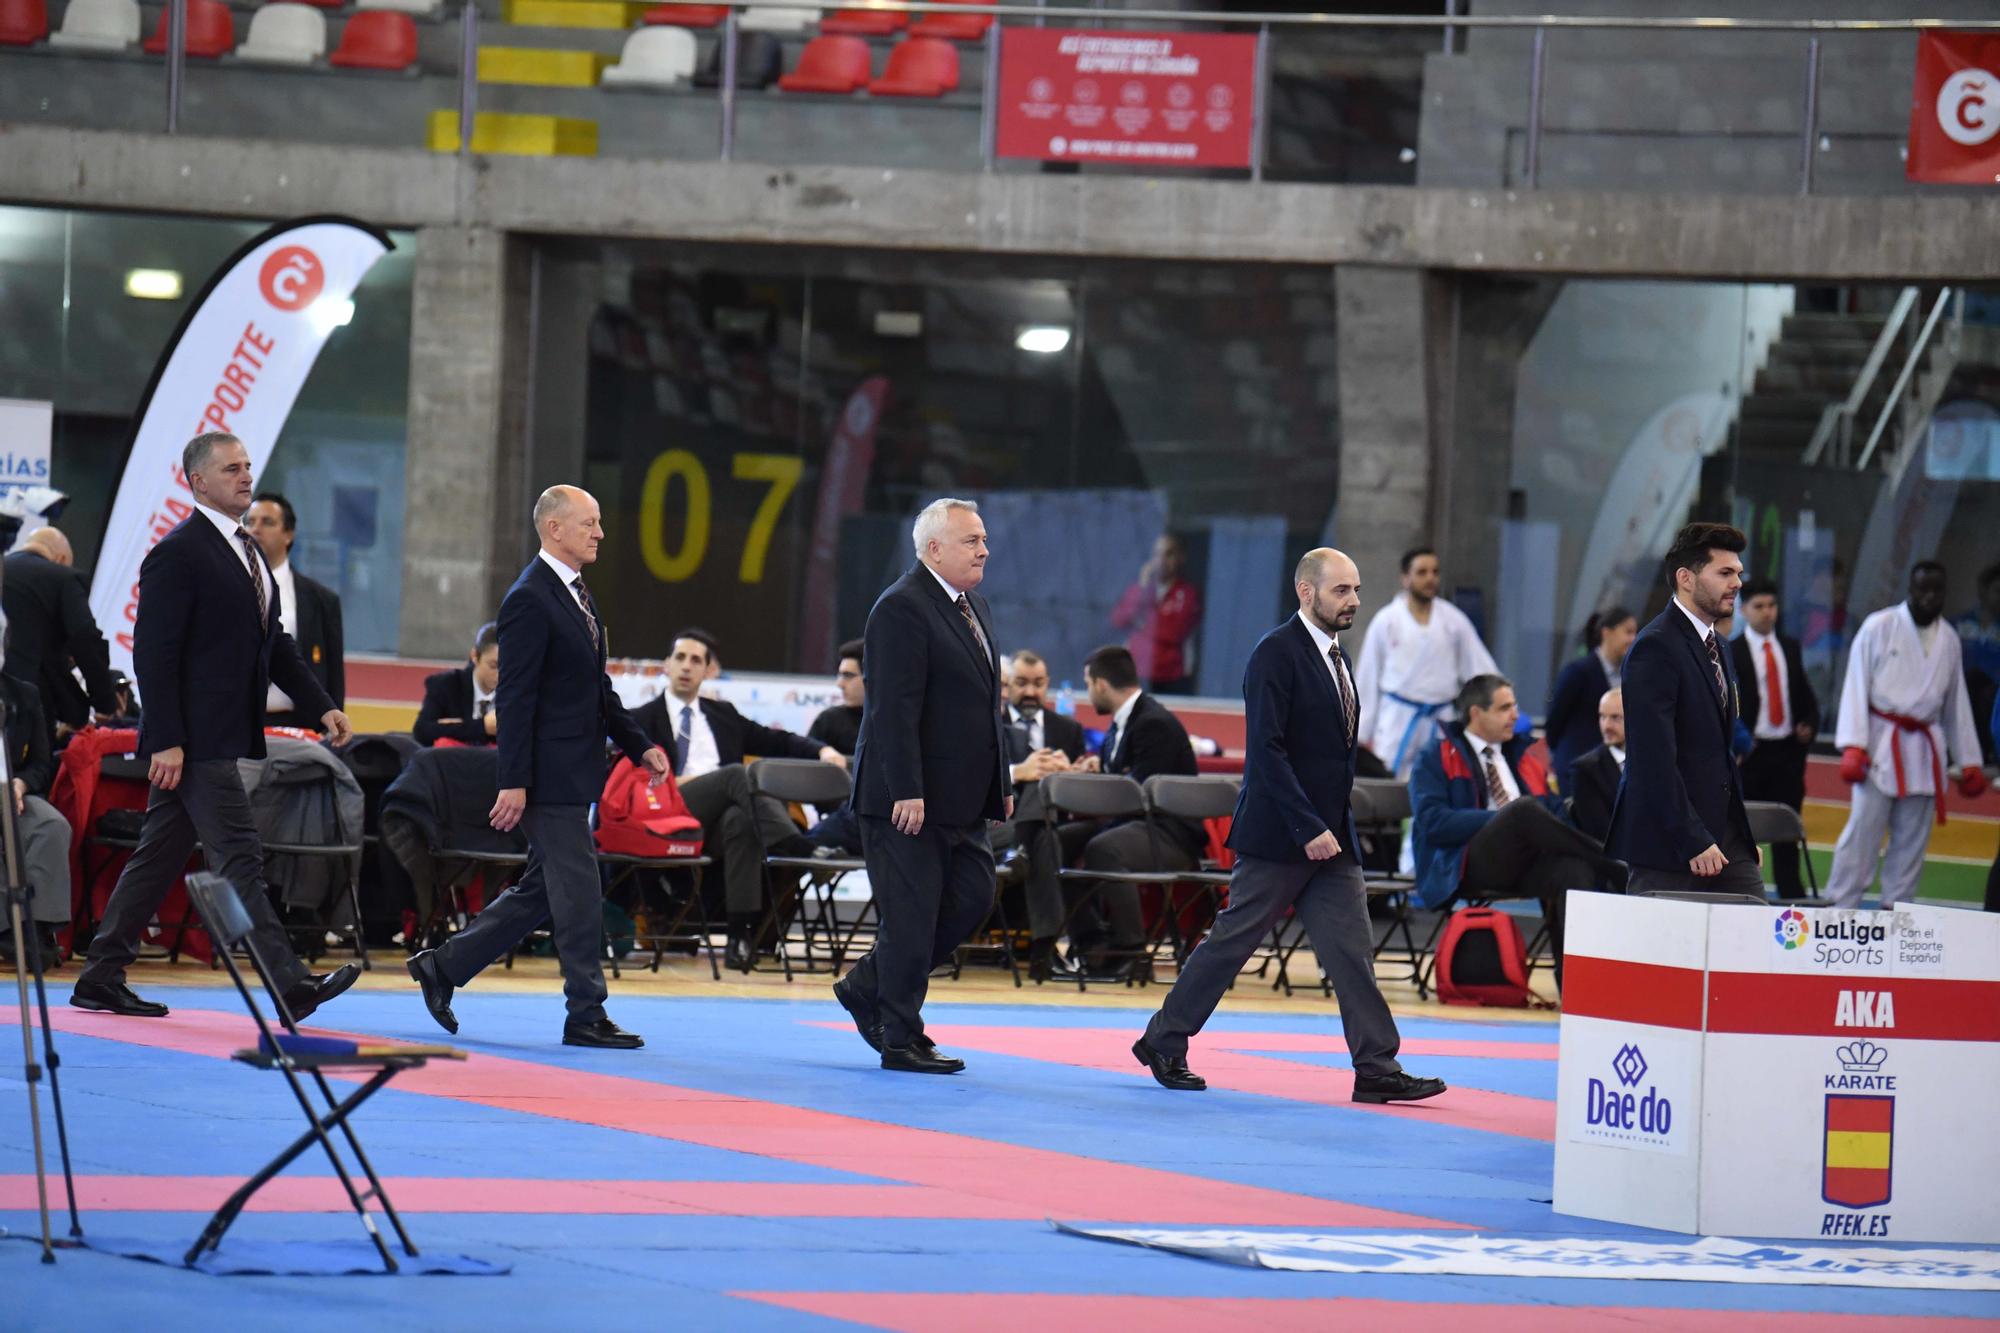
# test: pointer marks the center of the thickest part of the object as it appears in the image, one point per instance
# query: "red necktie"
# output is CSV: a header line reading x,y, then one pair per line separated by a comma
x,y
1774,685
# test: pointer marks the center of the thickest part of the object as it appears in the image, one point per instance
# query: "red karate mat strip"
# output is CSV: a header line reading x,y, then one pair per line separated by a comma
x,y
458,1194
988,1312
1925,1008
1222,1059
1667,997
987,1173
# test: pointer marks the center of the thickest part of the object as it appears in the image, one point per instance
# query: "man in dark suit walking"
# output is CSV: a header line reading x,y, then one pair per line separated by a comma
x,y
312,611
1783,713
49,625
1597,773
461,704
559,706
1679,820
207,643
930,771
1294,838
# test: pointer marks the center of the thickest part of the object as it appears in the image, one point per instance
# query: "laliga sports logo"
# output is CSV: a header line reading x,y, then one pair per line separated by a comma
x,y
291,278
1791,929
1968,107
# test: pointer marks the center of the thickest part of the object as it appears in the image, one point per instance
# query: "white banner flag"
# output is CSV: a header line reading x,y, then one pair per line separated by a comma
x,y
237,363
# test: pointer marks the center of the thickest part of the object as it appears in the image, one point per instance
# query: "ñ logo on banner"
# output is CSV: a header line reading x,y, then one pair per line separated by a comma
x,y
291,278
1968,107
1859,1134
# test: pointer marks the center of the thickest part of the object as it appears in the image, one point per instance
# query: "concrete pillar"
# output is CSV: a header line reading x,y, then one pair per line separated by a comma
x,y
468,531
1384,327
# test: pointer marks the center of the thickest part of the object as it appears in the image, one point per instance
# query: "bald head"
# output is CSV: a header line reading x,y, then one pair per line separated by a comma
x,y
569,525
1329,589
50,544
1611,717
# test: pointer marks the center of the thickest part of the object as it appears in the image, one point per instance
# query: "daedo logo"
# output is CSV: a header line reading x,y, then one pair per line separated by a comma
x,y
1791,929
1623,1114
291,278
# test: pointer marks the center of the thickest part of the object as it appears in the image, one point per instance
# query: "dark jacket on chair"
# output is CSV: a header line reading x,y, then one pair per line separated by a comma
x,y
555,700
1593,790
735,735
1298,766
204,664
1682,792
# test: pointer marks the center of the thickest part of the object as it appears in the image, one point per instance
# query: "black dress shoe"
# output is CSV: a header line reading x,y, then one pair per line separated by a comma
x,y
1046,963
1399,1087
114,997
602,1032
428,975
920,1057
741,954
1169,1071
867,1018
305,996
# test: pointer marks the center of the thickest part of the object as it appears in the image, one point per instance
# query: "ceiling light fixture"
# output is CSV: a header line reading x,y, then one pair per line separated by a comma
x,y
153,284
1046,339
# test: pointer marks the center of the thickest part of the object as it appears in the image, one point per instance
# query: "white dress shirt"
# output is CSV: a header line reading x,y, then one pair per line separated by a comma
x,y
1701,628
702,756
1122,719
1324,642
277,701
1489,752
233,533
1764,729
567,575
1618,753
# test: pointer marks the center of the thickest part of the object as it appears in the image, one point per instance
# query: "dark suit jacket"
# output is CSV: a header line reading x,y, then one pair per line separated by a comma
x,y
555,700
735,734
1571,727
204,664
48,621
1750,683
450,694
1298,767
28,752
839,726
1682,793
1058,733
1156,743
932,729
322,642
1593,790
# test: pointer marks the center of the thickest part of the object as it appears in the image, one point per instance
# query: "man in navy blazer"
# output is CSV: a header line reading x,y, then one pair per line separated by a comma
x,y
207,645
1293,834
1679,821
558,706
930,771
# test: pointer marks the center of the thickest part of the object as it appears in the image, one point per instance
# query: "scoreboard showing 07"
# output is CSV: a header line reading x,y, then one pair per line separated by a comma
x,y
678,500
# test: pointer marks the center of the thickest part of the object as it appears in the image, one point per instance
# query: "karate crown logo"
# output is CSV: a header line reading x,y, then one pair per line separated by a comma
x,y
1791,929
1861,1057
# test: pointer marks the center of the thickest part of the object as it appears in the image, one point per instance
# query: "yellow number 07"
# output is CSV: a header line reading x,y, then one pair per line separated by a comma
x,y
780,471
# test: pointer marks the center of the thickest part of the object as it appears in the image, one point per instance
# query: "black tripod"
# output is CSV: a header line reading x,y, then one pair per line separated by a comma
x,y
27,961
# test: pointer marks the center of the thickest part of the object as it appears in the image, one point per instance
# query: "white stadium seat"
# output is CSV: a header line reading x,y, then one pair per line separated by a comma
x,y
776,18
654,58
423,9
98,25
285,34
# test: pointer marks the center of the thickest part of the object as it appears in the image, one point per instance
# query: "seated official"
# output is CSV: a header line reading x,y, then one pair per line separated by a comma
x,y
1144,740
44,832
707,740
1485,824
458,704
839,725
1038,743
1595,776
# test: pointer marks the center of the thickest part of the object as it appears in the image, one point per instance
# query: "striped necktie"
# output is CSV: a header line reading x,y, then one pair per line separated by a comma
x,y
256,575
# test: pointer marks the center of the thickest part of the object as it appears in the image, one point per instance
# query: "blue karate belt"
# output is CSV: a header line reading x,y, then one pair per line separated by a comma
x,y
1419,715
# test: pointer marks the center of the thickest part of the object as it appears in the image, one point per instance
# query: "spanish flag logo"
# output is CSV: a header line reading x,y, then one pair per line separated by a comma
x,y
1858,1135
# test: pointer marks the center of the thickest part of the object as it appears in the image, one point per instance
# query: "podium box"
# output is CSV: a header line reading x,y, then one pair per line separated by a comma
x,y
1783,1072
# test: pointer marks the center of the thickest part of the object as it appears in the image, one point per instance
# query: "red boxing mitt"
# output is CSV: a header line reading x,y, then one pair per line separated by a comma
x,y
1972,781
1854,764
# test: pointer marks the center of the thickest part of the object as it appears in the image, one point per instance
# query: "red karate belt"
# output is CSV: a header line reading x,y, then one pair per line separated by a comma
x,y
1903,723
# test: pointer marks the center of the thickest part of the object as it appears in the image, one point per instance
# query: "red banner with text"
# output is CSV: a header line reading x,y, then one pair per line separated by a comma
x,y
1955,109
1161,98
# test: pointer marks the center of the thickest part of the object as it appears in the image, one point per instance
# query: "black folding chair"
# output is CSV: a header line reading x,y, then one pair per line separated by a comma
x,y
1773,822
808,908
291,1054
1198,799
1102,796
622,866
1380,807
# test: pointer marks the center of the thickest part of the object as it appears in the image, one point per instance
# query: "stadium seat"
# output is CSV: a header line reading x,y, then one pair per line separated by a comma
x,y
759,59
953,27
686,16
23,22
775,18
865,22
918,67
653,58
284,34
98,25
829,65
377,39
211,32
423,9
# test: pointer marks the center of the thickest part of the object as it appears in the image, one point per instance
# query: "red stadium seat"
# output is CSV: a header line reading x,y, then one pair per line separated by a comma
x,y
23,22
829,65
865,22
210,30
377,39
953,27
919,67
686,16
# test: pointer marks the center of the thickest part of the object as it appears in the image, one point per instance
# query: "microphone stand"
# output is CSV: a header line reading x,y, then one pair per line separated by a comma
x,y
28,959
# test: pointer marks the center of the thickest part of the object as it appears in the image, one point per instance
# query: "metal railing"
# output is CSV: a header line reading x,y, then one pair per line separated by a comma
x,y
1835,430
1450,23
1916,409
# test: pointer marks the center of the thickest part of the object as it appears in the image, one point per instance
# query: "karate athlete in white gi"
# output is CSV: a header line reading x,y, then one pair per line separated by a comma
x,y
1418,651
1905,723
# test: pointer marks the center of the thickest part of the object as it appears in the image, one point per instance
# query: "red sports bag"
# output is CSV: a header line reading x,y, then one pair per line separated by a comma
x,y
1482,959
635,818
